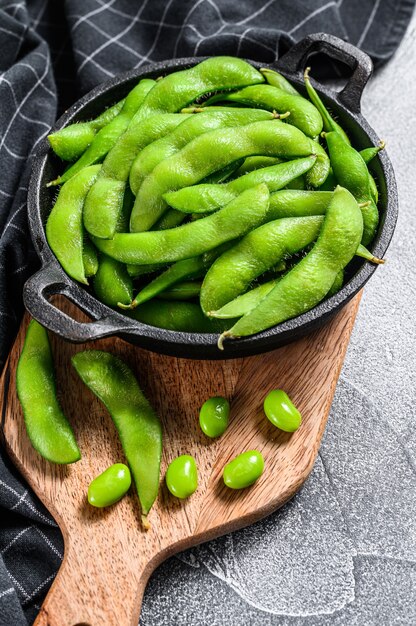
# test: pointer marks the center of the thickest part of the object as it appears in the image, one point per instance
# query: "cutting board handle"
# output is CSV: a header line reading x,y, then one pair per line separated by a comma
x,y
92,591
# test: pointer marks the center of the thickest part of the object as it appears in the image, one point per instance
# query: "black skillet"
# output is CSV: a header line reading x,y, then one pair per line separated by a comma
x,y
51,279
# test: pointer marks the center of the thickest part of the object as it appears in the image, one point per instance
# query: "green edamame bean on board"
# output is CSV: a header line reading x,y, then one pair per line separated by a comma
x,y
214,416
110,486
182,476
244,470
281,411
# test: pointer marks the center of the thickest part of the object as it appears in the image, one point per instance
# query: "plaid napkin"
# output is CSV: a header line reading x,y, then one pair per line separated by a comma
x,y
52,53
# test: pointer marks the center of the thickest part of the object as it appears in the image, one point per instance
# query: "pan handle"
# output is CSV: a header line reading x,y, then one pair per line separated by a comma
x,y
295,61
51,280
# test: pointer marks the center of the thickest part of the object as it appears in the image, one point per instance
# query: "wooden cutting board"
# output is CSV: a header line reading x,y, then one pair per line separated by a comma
x,y
108,556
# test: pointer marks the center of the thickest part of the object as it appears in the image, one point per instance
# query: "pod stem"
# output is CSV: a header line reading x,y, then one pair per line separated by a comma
x,y
54,183
127,307
368,256
281,116
146,524
223,336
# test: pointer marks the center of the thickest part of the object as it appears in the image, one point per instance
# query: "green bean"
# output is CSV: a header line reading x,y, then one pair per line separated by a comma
x,y
70,142
110,486
89,258
309,281
281,411
244,470
104,202
169,95
186,290
197,160
182,476
46,425
275,79
64,230
175,315
112,283
194,126
303,114
206,198
242,214
188,268
328,121
351,172
107,136
214,416
244,303
137,424
233,272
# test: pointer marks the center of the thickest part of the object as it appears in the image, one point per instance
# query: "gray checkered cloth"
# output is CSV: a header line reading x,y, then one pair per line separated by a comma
x,y
53,52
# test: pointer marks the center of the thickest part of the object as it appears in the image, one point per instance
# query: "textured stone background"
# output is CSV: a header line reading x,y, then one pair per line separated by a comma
x,y
344,550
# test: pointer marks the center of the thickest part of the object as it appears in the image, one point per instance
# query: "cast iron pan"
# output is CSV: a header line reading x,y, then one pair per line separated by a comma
x,y
51,279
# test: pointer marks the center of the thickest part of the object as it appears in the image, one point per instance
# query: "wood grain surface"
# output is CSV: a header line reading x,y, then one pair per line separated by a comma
x,y
108,556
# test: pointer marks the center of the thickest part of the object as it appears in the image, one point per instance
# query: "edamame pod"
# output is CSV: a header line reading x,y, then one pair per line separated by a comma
x,y
64,230
255,163
233,272
197,160
112,283
186,290
351,172
104,202
277,80
89,258
207,198
188,268
368,154
329,123
185,317
238,217
309,281
70,142
194,126
47,427
105,139
303,114
137,424
244,303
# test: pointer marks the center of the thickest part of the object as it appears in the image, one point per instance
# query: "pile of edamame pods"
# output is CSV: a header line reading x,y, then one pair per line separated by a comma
x,y
214,199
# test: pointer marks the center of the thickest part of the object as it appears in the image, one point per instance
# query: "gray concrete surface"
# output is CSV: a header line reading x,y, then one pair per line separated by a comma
x,y
343,552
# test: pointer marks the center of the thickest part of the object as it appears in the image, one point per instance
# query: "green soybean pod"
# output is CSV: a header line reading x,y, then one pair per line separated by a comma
x,y
182,476
89,258
64,230
107,136
253,163
185,317
214,416
112,283
186,290
110,486
170,219
244,470
47,427
303,114
244,303
368,154
205,198
242,214
298,203
328,121
138,426
70,142
281,411
277,80
260,250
